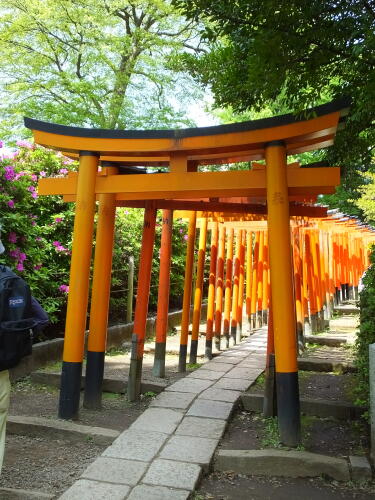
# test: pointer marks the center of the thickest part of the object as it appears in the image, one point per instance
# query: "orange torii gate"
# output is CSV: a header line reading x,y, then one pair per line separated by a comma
x,y
183,151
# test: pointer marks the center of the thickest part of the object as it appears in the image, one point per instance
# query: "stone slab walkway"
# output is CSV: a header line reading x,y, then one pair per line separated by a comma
x,y
163,453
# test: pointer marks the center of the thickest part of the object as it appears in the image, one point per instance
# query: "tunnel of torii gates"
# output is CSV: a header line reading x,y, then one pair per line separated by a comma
x,y
263,225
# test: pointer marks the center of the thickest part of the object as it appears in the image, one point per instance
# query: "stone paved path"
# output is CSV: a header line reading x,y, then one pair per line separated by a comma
x,y
162,455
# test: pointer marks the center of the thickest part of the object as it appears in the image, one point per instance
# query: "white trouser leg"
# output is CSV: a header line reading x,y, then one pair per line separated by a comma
x,y
4,405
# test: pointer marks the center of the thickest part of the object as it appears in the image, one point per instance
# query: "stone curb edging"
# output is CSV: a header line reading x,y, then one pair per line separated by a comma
x,y
284,463
59,429
316,407
163,453
13,493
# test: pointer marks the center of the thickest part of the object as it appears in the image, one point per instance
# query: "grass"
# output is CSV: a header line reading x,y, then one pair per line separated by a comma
x,y
193,366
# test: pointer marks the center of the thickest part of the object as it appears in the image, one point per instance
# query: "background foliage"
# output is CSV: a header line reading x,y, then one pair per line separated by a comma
x,y
366,334
37,235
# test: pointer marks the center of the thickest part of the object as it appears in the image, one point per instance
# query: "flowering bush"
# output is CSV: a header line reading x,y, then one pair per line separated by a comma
x,y
36,231
37,235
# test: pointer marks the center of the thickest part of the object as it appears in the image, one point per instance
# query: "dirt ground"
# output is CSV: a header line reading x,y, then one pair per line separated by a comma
x,y
220,486
250,430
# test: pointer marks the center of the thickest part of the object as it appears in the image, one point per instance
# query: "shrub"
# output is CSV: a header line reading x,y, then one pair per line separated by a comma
x,y
366,334
37,235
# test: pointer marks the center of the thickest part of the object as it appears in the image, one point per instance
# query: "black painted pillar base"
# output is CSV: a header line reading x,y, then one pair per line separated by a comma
x,y
336,297
135,372
238,333
300,337
233,332
158,369
270,400
314,322
182,358
265,317
70,390
259,320
208,350
193,351
94,380
217,342
253,321
226,340
355,292
288,408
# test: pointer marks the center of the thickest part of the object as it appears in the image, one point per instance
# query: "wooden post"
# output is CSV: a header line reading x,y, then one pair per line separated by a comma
x,y
228,286
249,265
78,287
198,291
141,306
241,283
260,281
101,287
236,277
254,287
219,286
211,291
185,320
265,280
284,322
163,294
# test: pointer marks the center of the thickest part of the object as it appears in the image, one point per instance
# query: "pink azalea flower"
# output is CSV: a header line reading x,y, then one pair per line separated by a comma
x,y
34,195
11,204
22,256
58,219
34,178
20,266
1,144
9,173
12,237
42,173
56,243
37,267
186,237
24,144
64,288
63,171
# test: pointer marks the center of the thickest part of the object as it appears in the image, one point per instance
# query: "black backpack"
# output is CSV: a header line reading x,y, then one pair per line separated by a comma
x,y
16,321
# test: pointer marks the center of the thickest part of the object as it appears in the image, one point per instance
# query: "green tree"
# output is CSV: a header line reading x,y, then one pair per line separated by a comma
x,y
88,63
292,55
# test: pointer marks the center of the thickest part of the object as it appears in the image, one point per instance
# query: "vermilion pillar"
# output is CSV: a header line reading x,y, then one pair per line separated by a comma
x,y
284,322
219,286
249,265
101,287
241,283
236,277
198,292
185,320
141,306
78,286
228,286
265,280
254,280
260,281
211,291
163,293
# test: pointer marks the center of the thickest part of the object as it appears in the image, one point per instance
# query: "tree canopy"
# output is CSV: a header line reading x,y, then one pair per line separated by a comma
x,y
291,55
88,63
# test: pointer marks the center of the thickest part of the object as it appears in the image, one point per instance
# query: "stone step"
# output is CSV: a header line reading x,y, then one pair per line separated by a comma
x,y
59,429
284,463
346,309
329,340
109,384
316,407
314,364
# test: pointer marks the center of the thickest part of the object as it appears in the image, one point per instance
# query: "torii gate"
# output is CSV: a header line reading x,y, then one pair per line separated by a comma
x,y
183,151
